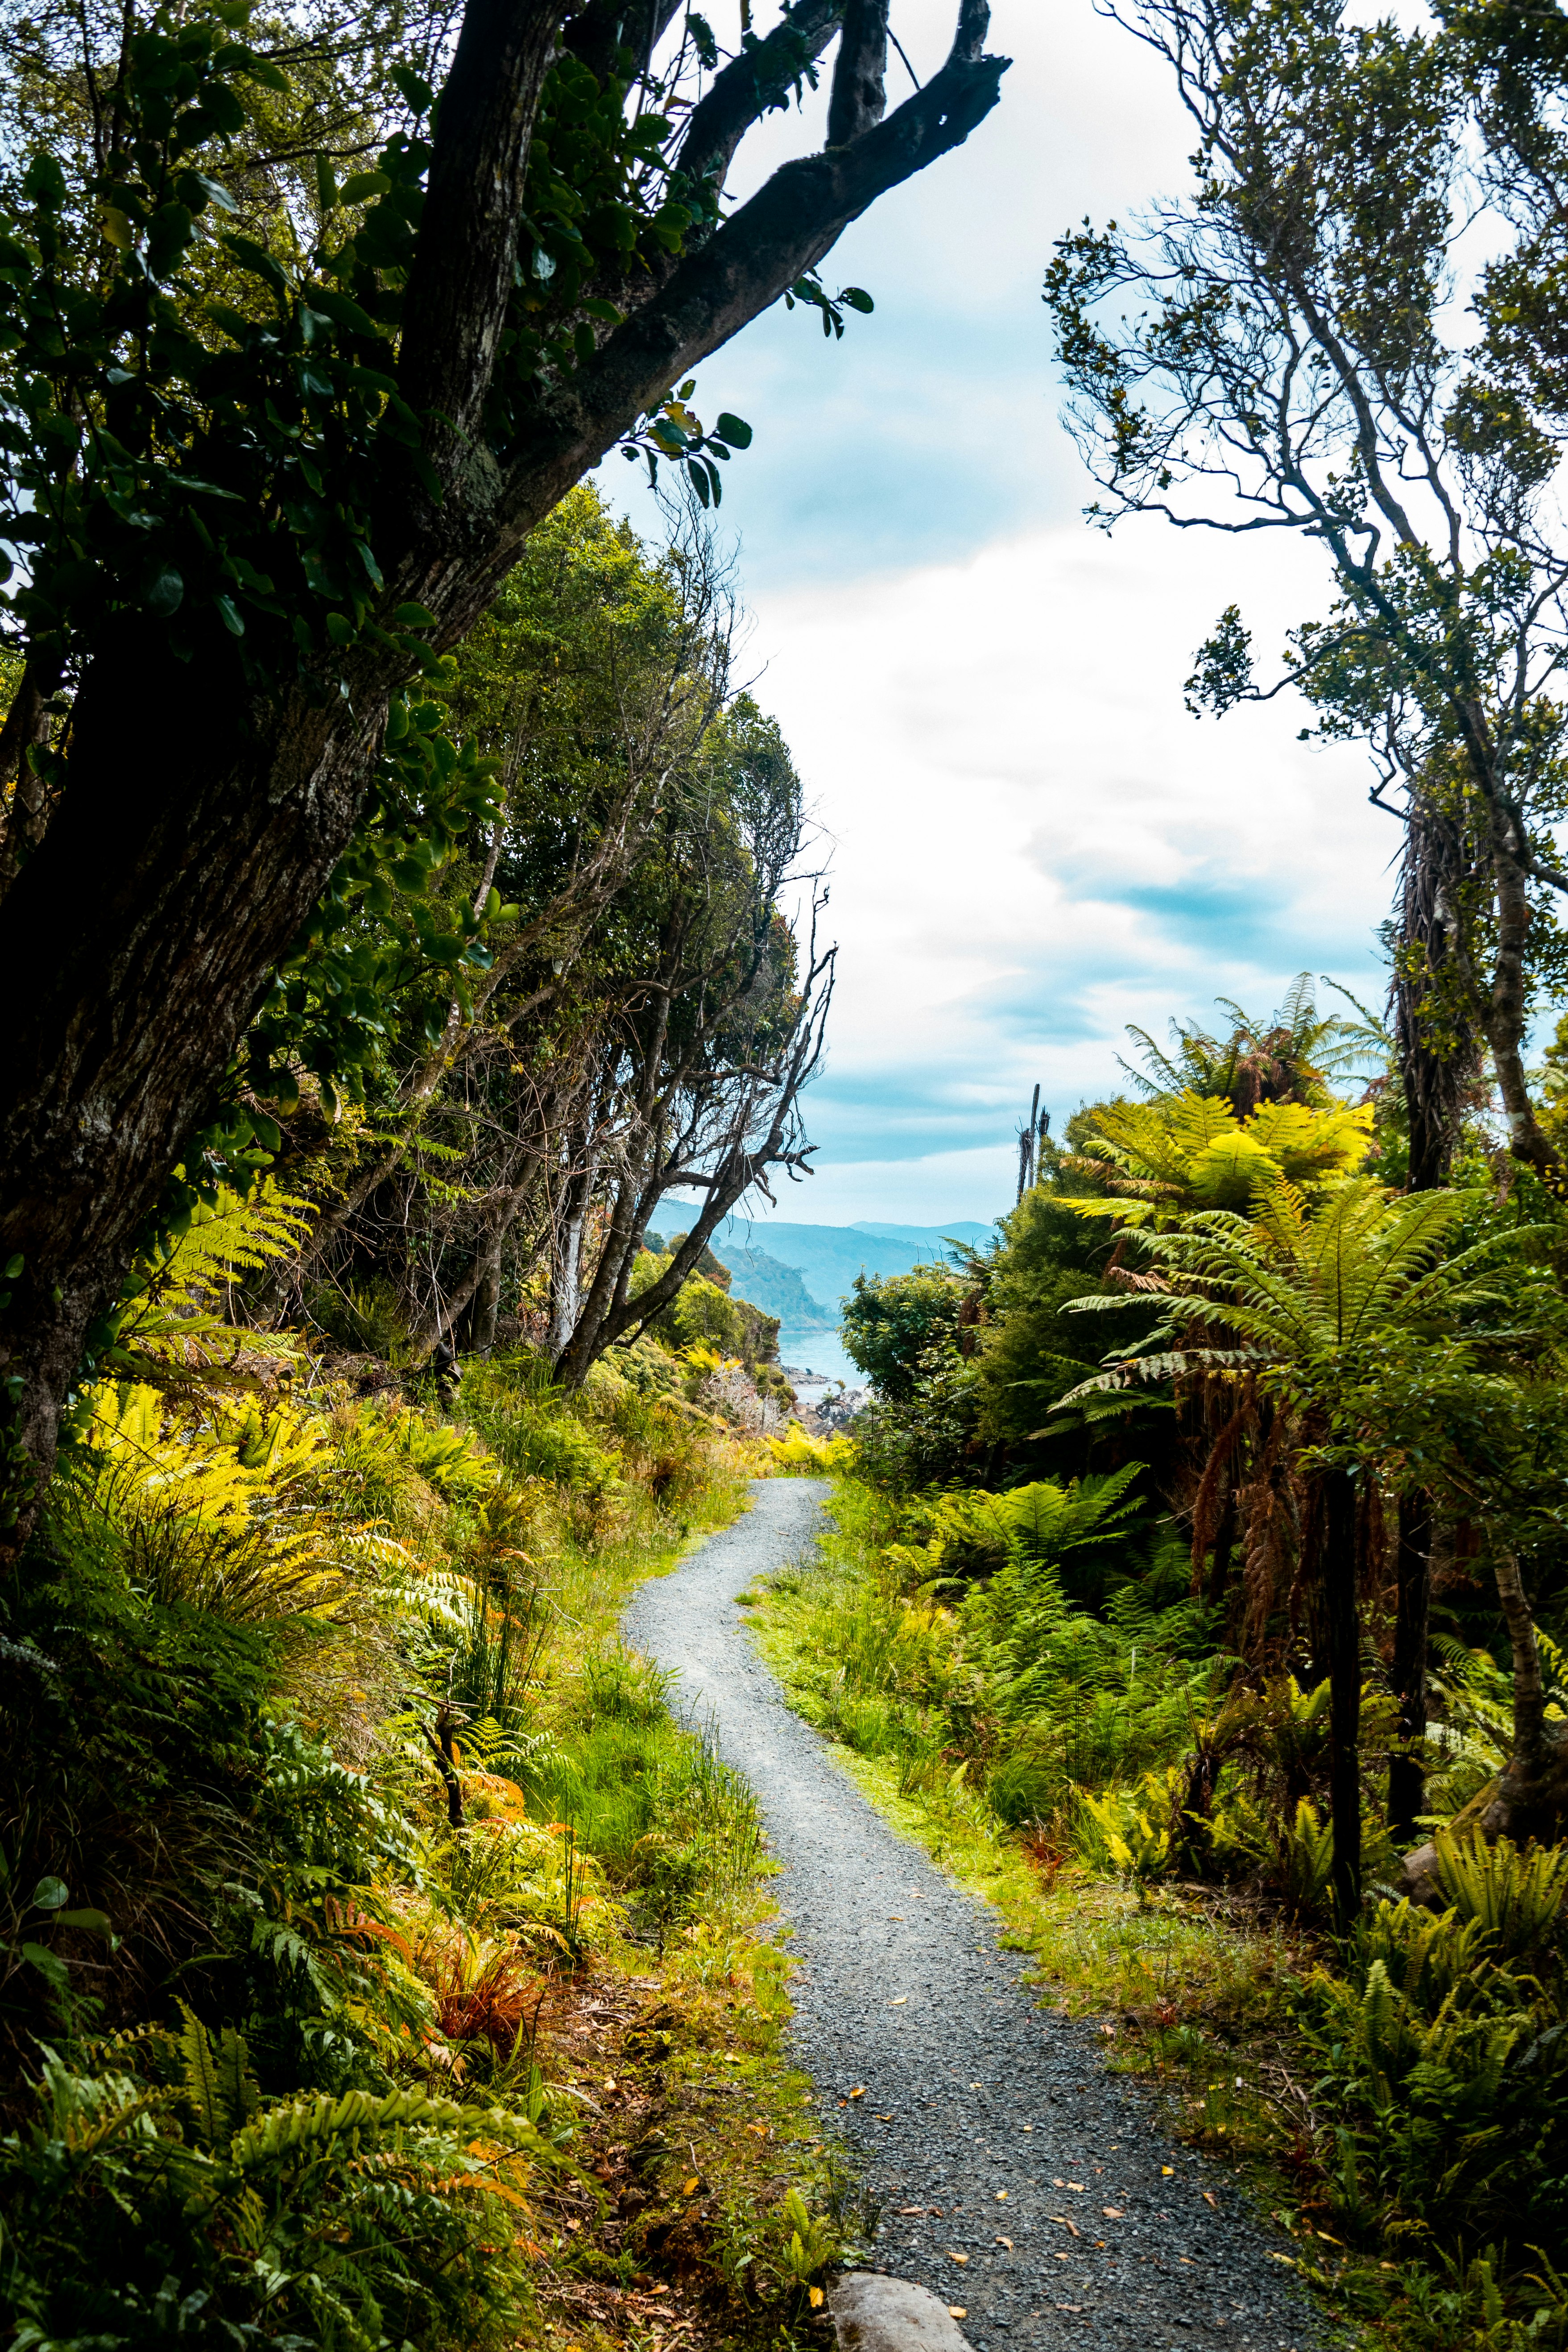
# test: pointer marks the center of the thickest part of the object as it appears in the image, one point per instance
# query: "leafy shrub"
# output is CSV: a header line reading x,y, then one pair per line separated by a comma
x,y
1514,1898
892,1323
1449,2070
163,2196
798,1455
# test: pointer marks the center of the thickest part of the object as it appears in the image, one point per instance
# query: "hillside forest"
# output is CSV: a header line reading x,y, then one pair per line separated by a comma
x,y
413,944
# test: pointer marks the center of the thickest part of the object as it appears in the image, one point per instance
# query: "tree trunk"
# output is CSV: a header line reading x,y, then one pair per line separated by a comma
x,y
136,944
1529,1797
1224,1545
1434,871
1342,1620
1505,1007
484,1306
1407,1775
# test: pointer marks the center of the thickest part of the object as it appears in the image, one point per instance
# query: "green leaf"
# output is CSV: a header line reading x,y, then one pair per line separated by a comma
x,y
163,590
858,300
734,430
50,1894
96,1920
230,615
414,89
13,1265
359,186
414,617
327,190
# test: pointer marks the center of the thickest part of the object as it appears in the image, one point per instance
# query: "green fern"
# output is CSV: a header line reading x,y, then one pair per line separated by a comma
x,y
175,1302
1513,1896
220,2089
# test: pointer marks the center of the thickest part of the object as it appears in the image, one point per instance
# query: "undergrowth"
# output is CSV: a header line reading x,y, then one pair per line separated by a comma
x,y
1028,1703
381,1962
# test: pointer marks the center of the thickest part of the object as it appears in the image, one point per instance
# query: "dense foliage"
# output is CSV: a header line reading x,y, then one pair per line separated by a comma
x,y
1208,1528
324,1775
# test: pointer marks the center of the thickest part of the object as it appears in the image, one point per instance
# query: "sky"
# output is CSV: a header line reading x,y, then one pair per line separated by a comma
x,y
1032,844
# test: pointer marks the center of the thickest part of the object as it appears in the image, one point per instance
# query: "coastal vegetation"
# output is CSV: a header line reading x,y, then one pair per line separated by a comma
x,y
412,938
1198,1592
382,1961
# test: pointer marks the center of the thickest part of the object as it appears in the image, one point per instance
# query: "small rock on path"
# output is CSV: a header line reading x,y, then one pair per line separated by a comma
x,y
980,2118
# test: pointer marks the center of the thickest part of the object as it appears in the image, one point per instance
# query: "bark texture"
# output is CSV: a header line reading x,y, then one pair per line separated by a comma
x,y
1342,1627
1406,1779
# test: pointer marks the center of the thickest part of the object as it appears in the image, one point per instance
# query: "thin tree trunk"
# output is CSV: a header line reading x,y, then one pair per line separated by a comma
x,y
1505,1008
1224,1545
1342,1620
1529,1690
1406,1774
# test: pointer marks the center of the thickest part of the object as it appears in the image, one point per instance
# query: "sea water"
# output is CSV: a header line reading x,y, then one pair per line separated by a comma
x,y
820,1353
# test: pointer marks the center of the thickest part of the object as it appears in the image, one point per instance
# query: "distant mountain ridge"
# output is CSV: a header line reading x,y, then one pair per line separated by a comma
x,y
777,1289
825,1259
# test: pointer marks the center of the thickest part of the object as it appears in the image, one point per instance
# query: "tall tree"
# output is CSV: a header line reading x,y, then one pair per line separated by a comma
x,y
1293,359
246,518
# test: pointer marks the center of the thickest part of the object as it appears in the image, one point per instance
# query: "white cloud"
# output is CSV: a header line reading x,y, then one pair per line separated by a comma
x,y
1036,843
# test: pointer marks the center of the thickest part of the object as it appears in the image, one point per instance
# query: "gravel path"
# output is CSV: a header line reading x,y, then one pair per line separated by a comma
x,y
984,2119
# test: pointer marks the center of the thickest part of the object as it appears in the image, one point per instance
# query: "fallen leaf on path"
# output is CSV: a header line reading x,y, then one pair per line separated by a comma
x,y
1001,2197
858,2092
815,2298
1074,2184
1062,2257
953,2257
1065,2222
689,2188
761,2130
900,2003
1113,2212
1005,2241
1210,2199
912,2209
957,2311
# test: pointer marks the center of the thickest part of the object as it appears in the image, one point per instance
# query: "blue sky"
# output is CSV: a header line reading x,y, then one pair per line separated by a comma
x,y
1033,845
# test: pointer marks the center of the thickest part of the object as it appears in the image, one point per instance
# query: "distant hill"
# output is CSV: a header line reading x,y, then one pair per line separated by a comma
x,y
827,1258
777,1289
963,1229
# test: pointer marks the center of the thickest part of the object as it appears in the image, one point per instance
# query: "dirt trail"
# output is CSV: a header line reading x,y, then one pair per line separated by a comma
x,y
983,2118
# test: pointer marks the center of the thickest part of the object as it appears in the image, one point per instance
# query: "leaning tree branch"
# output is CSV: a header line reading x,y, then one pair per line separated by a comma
x,y
859,95
742,92
462,280
785,228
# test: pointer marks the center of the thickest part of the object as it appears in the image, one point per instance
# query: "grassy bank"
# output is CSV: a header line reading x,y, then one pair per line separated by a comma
x,y
1382,2099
